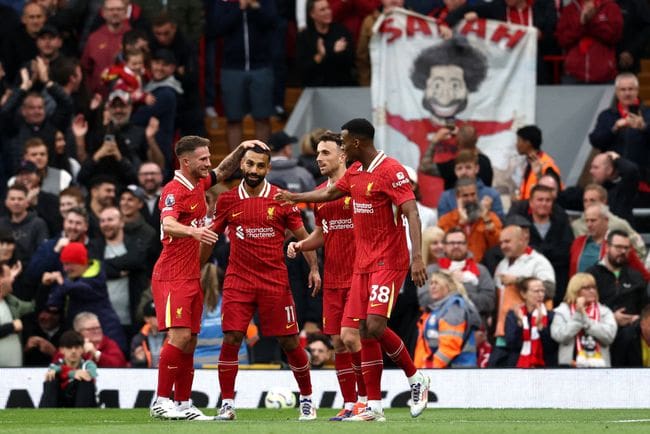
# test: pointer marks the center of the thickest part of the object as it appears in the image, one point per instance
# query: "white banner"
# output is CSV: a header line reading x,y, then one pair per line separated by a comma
x,y
484,76
470,388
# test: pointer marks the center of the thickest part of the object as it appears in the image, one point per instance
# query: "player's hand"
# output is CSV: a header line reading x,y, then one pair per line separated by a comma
x,y
250,144
418,272
50,375
205,235
285,196
293,249
314,282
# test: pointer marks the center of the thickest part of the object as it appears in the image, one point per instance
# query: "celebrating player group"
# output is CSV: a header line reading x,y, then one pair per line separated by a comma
x,y
367,202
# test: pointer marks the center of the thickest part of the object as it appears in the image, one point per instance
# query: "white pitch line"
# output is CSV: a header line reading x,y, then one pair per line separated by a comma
x,y
630,421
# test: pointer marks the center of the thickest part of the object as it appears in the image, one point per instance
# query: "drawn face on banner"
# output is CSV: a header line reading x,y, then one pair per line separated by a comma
x,y
446,91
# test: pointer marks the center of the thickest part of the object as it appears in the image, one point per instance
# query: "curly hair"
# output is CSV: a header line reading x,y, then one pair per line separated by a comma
x,y
456,51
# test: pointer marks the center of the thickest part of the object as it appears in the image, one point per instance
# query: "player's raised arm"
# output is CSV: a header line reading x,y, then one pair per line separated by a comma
x,y
231,163
314,241
310,257
173,228
321,195
418,270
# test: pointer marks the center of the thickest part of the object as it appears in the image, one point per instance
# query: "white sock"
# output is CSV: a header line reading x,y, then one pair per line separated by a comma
x,y
303,397
230,402
363,399
348,405
375,406
415,378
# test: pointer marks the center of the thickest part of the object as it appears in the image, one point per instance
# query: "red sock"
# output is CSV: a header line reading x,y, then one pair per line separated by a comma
x,y
393,346
228,367
372,366
345,375
356,365
299,364
184,378
171,360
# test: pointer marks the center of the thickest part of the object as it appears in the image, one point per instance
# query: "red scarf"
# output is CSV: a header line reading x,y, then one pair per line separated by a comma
x,y
532,352
588,357
470,265
622,111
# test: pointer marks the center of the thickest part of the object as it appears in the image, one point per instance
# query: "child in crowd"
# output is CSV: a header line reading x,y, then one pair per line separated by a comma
x,y
130,76
70,380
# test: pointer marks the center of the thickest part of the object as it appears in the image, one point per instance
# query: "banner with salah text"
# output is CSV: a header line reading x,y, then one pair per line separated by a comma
x,y
484,75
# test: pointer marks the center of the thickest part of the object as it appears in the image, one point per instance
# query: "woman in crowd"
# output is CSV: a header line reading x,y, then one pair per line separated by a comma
x,y
446,329
432,250
528,335
582,326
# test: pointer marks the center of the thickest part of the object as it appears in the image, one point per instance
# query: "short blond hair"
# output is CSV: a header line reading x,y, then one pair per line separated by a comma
x,y
429,235
447,279
575,285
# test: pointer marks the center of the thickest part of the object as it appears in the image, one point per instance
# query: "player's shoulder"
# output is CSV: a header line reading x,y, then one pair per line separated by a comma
x,y
354,167
228,196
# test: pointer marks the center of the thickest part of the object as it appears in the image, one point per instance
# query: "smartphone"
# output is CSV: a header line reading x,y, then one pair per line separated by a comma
x,y
450,123
634,108
109,138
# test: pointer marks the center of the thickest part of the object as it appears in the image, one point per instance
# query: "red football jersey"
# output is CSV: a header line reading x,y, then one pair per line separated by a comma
x,y
377,193
185,202
335,219
256,228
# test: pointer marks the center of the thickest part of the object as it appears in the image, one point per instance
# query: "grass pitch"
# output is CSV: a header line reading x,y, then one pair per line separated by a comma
x,y
433,421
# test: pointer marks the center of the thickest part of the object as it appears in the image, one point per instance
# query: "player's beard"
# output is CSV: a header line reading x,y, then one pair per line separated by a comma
x,y
252,182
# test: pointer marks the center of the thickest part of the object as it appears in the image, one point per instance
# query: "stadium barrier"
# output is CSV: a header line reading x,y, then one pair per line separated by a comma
x,y
469,388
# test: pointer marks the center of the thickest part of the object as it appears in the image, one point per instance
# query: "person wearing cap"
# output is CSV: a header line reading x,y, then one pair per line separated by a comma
x,y
550,231
520,261
131,203
146,345
28,229
104,43
41,336
82,287
538,162
49,43
285,168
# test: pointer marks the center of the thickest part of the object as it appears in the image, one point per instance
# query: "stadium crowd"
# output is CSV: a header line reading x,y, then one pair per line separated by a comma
x,y
93,95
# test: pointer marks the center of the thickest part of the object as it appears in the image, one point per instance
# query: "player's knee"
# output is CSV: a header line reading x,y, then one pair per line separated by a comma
x,y
289,343
233,338
375,327
351,340
181,338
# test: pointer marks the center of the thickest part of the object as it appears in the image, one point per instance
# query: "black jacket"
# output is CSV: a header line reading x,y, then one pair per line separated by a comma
x,y
628,291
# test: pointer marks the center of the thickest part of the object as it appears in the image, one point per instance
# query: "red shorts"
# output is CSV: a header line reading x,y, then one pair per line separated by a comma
x,y
276,311
374,293
179,303
334,301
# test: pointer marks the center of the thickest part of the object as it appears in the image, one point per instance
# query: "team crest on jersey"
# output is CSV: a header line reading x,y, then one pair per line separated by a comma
x,y
179,312
346,202
170,200
270,213
400,176
369,188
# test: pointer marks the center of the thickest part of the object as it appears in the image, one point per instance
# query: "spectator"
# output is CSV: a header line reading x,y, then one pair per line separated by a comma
x,y
285,168
71,197
528,335
70,380
130,76
520,261
622,288
432,251
146,345
12,309
428,216
631,47
28,230
83,289
632,350
42,336
588,32
102,196
446,338
246,70
307,158
20,45
550,231
132,202
97,346
325,49
150,179
583,327
477,220
188,14
620,177
538,162
365,33
105,43
37,199
118,147
465,269
466,165
466,139
589,249
53,180
123,260
321,351
595,194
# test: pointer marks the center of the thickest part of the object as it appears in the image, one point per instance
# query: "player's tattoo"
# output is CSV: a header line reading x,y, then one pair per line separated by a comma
x,y
229,164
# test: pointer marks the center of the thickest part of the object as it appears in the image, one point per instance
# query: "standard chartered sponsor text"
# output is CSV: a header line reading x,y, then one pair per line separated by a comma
x,y
340,224
260,232
363,208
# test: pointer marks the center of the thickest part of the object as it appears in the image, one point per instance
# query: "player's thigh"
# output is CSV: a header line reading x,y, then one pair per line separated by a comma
x,y
357,301
277,313
234,94
261,93
383,288
333,306
179,303
237,309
